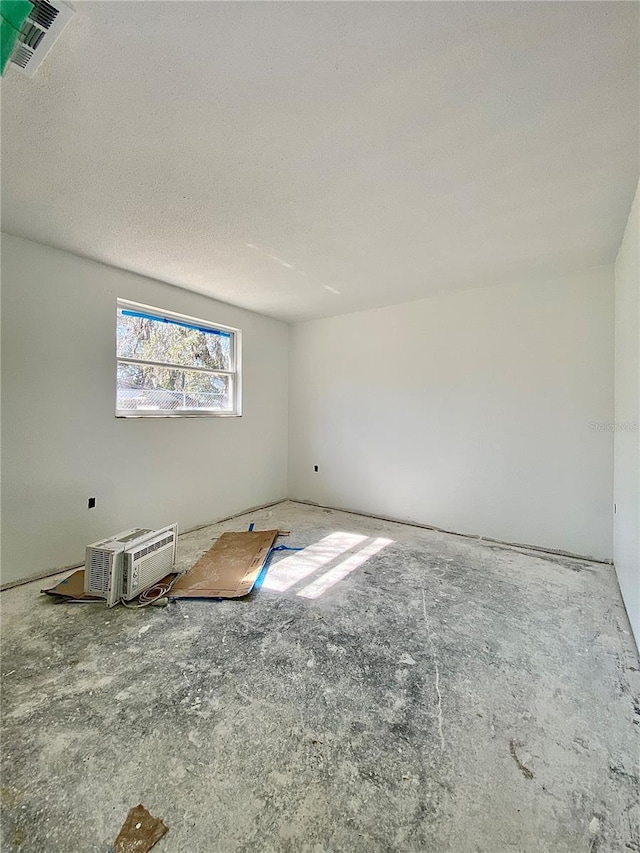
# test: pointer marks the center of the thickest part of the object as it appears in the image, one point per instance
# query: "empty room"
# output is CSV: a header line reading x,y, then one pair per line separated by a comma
x,y
320,348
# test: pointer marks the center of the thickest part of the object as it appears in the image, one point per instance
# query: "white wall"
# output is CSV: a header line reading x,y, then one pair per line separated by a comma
x,y
62,442
626,536
470,411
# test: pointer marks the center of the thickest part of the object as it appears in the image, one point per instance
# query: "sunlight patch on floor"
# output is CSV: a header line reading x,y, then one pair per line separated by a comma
x,y
343,568
291,570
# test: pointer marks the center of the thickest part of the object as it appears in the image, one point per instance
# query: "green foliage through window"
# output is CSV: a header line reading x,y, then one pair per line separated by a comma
x,y
155,354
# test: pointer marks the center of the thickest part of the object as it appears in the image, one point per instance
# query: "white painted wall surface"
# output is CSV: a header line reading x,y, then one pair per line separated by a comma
x,y
470,411
626,536
61,442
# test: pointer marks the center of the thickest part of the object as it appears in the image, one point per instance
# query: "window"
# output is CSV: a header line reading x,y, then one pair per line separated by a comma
x,y
175,366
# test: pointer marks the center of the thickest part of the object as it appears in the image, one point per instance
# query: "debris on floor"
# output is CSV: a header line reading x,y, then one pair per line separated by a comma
x,y
229,569
521,767
140,831
231,678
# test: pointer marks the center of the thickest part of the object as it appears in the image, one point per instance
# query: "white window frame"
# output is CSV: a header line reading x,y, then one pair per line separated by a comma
x,y
235,373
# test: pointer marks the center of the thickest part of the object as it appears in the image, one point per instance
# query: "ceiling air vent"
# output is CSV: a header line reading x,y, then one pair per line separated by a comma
x,y
39,33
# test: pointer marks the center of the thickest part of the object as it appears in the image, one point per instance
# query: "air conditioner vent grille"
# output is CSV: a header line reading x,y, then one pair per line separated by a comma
x,y
155,546
99,571
150,570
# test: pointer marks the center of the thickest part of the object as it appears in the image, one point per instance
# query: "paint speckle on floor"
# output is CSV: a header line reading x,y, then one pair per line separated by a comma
x,y
430,694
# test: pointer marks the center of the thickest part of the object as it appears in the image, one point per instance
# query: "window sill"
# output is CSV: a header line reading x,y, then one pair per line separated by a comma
x,y
177,415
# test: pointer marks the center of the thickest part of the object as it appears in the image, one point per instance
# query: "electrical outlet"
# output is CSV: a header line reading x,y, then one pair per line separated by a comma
x,y
315,468
91,503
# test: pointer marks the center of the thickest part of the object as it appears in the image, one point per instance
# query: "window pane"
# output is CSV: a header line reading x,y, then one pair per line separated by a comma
x,y
145,388
142,336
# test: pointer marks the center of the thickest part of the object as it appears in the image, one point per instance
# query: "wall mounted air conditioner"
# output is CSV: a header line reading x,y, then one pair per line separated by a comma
x,y
126,564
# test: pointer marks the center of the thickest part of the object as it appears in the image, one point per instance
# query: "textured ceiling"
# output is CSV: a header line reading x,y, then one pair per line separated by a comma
x,y
308,159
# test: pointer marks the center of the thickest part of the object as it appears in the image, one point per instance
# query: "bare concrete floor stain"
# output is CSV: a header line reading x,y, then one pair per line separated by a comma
x,y
446,695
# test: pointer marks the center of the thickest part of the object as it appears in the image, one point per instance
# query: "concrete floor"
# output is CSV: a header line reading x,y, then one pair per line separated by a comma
x,y
445,695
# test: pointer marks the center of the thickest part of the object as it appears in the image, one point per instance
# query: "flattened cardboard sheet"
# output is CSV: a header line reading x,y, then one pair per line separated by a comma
x,y
229,568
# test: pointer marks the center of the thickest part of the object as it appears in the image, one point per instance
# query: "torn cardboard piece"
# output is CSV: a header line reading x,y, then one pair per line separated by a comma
x,y
229,569
140,831
71,589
